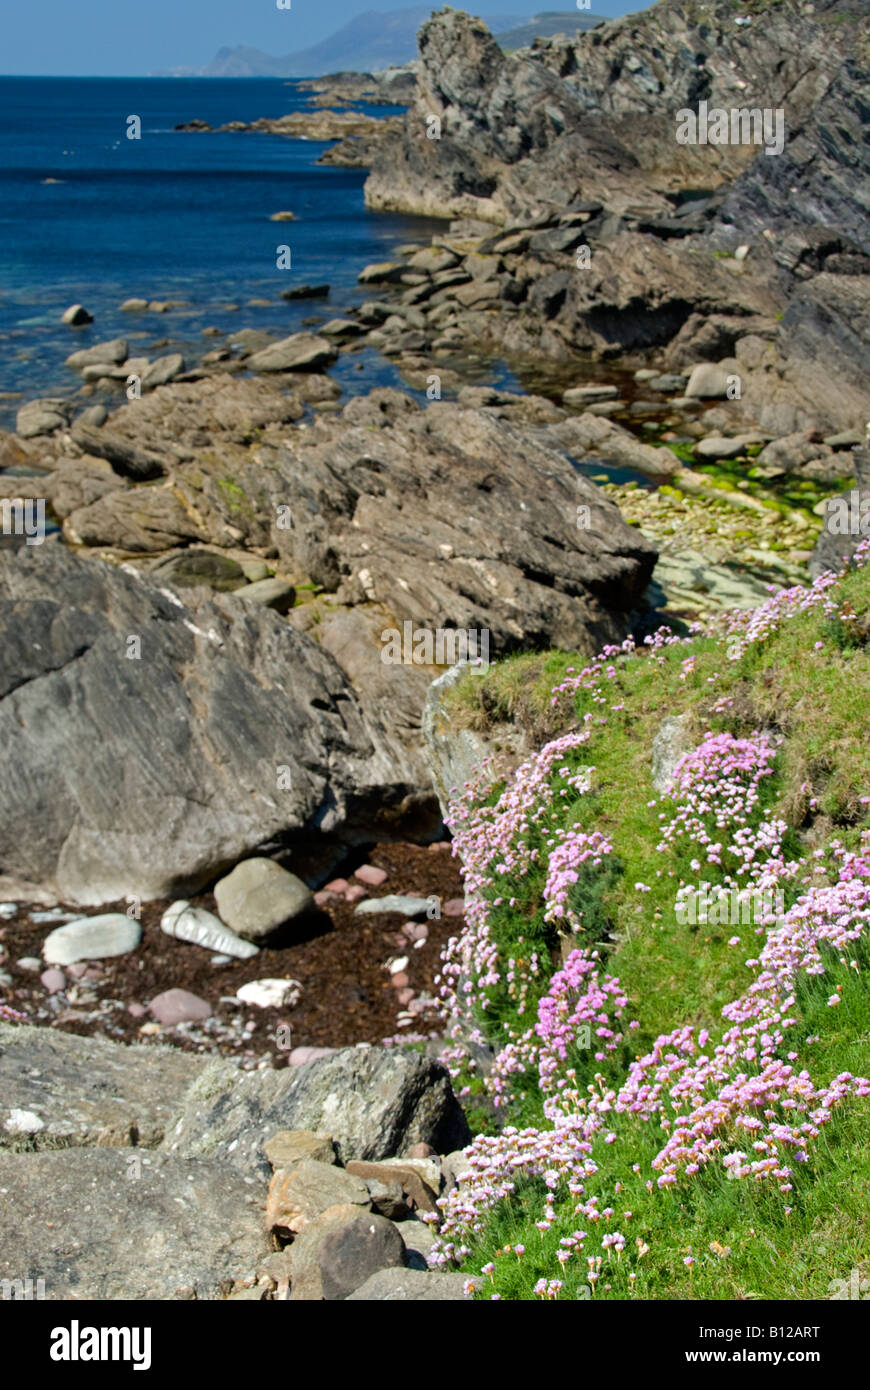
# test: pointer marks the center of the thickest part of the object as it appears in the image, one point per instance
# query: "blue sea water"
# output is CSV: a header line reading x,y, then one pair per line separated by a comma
x,y
88,216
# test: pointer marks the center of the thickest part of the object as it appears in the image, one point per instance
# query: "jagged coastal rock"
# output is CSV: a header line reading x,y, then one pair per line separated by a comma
x,y
573,143
383,508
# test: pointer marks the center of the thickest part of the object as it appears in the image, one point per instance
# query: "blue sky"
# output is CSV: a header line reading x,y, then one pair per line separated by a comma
x,y
116,37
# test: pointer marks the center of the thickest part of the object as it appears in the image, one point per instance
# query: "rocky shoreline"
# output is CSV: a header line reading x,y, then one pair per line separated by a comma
x,y
198,577
240,503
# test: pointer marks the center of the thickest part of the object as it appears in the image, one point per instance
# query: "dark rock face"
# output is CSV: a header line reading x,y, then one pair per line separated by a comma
x,y
374,1101
141,774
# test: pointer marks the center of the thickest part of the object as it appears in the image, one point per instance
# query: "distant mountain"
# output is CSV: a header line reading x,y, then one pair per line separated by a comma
x,y
377,40
371,42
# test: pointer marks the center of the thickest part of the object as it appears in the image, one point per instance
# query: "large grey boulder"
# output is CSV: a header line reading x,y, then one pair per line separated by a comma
x,y
300,352
374,1101
87,1091
114,352
123,1224
148,746
259,898
43,416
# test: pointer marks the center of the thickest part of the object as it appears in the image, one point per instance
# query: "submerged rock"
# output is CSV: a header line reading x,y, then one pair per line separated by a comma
x,y
76,314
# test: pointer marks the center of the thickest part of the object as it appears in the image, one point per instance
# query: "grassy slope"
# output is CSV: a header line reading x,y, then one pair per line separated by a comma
x,y
816,699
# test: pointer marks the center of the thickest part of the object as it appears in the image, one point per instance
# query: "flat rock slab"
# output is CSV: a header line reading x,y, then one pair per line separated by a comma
x,y
123,1224
289,1147
87,1091
374,1101
410,1285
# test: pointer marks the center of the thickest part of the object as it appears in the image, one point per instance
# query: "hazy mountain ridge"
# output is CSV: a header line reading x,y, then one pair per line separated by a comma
x,y
377,40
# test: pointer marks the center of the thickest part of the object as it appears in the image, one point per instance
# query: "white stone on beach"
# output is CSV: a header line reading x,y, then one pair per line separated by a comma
x,y
202,928
92,938
270,994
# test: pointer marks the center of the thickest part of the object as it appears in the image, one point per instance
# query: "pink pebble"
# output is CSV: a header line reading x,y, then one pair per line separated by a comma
x,y
454,907
300,1055
371,875
324,897
416,931
53,980
399,981
137,1010
439,846
355,894
179,1006
405,996
76,971
338,885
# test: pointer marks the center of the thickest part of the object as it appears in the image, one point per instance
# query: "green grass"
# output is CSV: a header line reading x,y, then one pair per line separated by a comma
x,y
813,697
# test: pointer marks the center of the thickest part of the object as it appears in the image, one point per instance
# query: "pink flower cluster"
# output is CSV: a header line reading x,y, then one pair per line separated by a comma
x,y
744,628
715,789
577,1015
737,1103
575,848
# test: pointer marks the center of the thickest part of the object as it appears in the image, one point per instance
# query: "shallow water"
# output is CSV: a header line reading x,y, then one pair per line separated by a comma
x,y
170,216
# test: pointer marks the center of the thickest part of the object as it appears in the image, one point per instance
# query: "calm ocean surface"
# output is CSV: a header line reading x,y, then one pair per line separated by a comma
x,y
170,216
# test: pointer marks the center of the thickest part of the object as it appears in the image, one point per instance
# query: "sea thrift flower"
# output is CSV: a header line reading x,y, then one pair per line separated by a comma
x,y
733,1099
